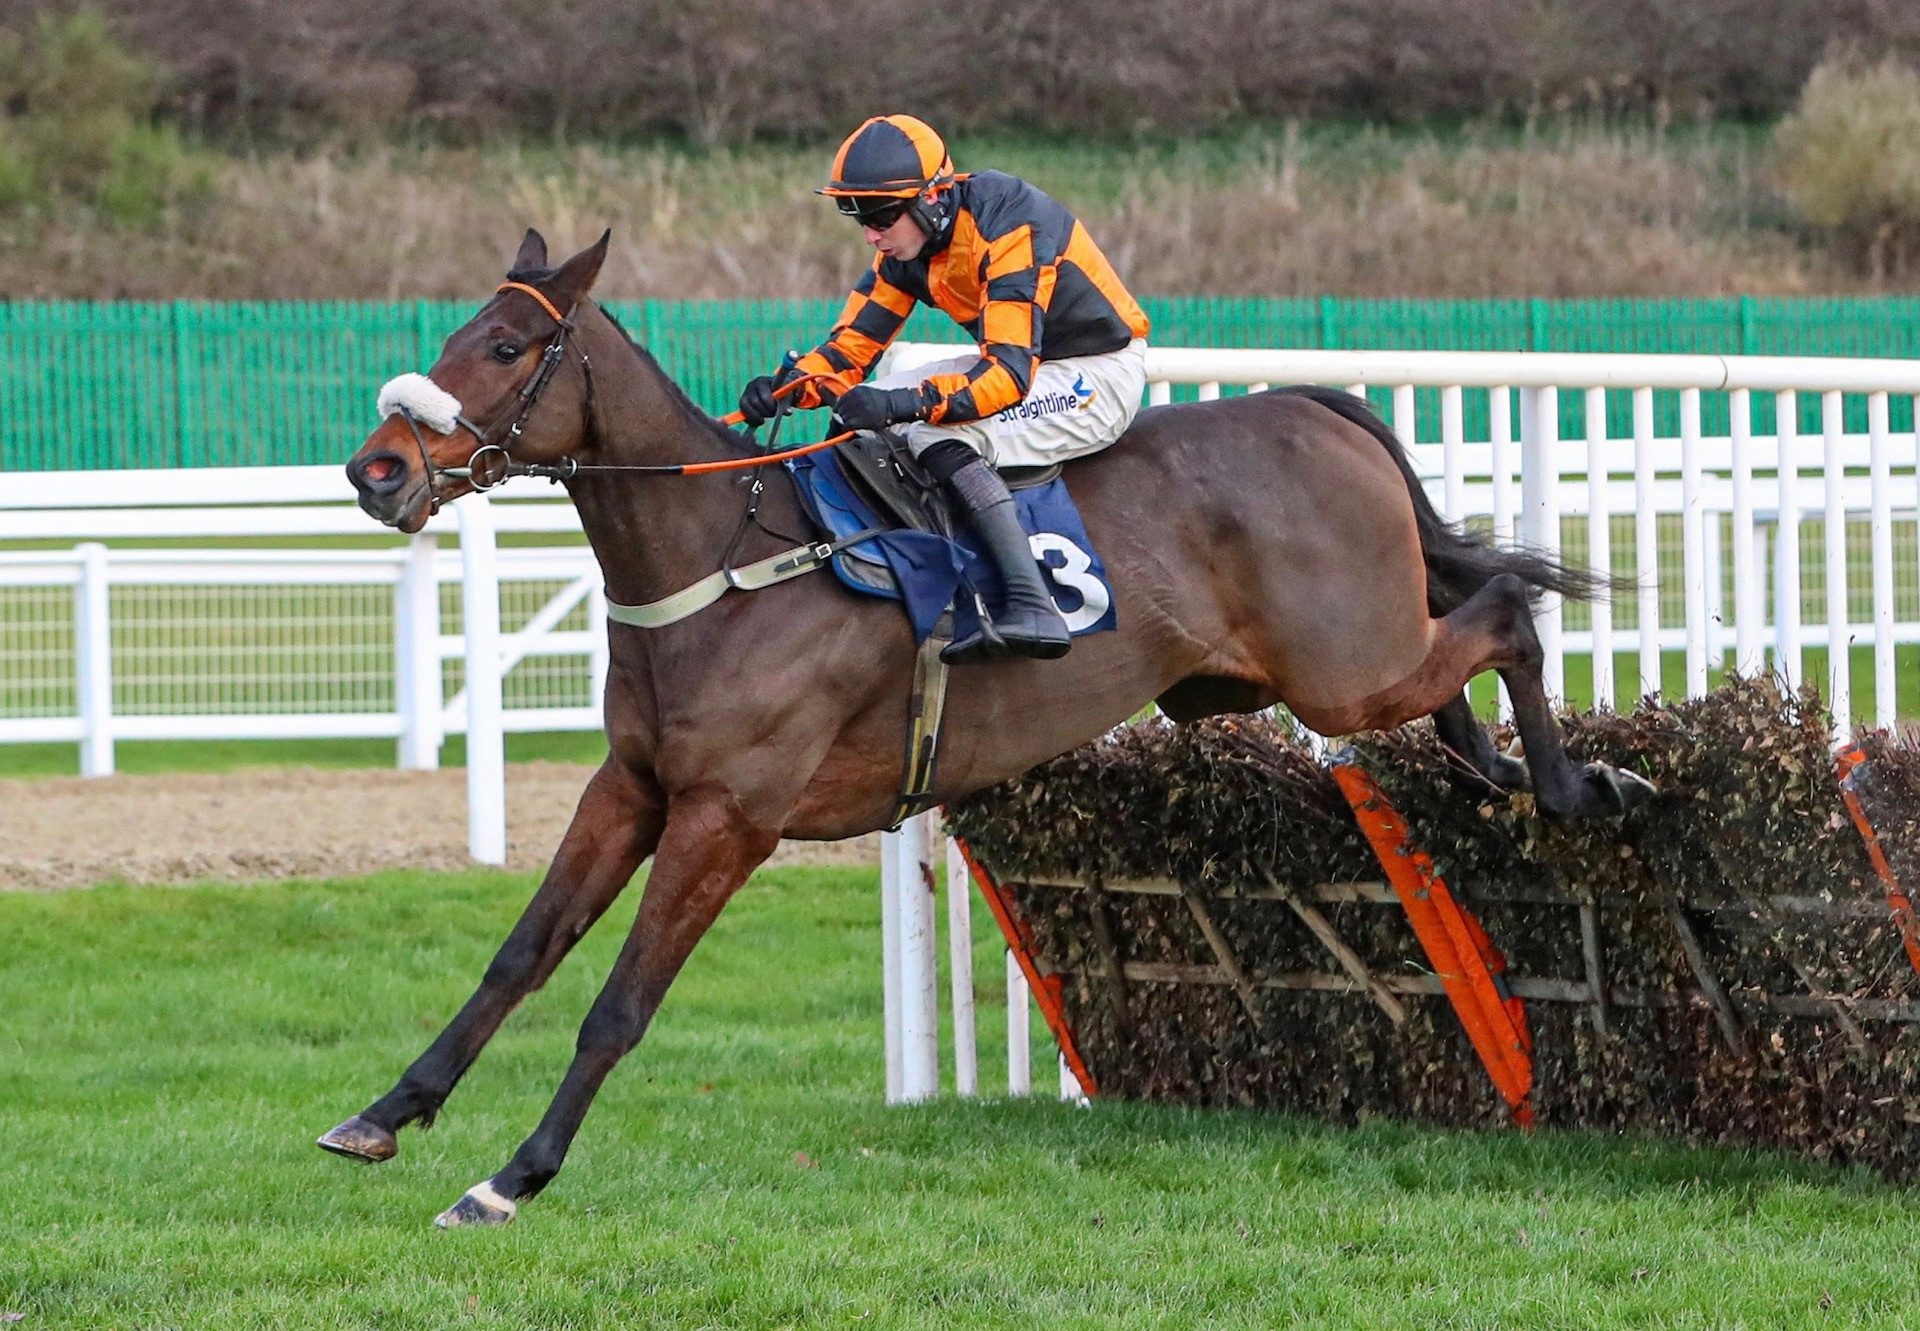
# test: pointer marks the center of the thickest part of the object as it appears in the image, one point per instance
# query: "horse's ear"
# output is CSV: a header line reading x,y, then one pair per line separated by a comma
x,y
576,275
533,253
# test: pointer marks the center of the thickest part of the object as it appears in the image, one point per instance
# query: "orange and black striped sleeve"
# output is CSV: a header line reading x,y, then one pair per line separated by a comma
x,y
1013,319
868,323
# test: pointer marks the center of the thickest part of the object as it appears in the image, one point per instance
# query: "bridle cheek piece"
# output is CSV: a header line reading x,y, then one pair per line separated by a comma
x,y
482,472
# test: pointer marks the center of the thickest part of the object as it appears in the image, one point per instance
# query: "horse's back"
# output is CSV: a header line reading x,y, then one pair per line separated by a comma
x,y
1277,530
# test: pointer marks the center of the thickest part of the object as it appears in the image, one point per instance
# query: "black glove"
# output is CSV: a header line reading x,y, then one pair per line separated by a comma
x,y
757,402
865,407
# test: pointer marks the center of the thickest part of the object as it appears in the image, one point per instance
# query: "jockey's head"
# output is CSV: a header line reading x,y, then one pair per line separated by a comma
x,y
893,175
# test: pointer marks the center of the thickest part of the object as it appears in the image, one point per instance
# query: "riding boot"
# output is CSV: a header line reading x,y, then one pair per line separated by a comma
x,y
1027,624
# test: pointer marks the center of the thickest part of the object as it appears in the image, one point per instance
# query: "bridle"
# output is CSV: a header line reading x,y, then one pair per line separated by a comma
x,y
485,476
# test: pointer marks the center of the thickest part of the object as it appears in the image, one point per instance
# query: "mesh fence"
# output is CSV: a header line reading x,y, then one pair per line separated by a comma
x,y
37,652
210,650
255,649
86,385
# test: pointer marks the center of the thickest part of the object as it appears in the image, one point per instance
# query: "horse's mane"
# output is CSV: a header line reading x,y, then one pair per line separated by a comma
x,y
536,277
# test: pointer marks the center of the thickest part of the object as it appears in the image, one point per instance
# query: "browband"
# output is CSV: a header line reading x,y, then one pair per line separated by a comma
x,y
545,304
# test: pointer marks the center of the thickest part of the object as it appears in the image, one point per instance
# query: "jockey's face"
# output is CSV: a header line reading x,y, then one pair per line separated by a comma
x,y
903,240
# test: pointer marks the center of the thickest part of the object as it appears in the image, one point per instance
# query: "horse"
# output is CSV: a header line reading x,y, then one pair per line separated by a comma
x,y
1263,549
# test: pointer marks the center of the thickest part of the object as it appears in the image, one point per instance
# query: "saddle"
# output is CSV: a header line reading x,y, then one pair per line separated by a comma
x,y
880,470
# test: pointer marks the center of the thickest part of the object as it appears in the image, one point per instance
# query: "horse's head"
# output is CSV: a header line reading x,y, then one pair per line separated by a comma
x,y
506,386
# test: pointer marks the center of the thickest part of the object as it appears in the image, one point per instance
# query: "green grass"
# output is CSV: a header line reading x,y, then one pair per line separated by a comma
x,y
167,1056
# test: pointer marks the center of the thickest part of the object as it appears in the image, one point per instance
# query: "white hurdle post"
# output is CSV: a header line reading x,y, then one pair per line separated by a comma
x,y
1019,1029
890,958
908,949
486,732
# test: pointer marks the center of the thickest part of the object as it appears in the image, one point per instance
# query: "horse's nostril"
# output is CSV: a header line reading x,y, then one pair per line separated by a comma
x,y
380,474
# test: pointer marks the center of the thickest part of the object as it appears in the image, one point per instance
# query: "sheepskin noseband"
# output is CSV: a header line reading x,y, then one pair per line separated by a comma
x,y
430,404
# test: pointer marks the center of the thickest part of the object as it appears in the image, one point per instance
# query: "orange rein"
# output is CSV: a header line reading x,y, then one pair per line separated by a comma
x,y
736,418
731,418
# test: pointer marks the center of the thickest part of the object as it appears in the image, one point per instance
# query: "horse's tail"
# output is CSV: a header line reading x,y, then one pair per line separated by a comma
x,y
1459,562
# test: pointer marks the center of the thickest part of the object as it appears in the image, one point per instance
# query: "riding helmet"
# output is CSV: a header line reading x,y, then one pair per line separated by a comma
x,y
894,157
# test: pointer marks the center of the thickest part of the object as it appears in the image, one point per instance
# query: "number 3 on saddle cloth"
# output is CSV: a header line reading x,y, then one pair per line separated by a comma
x,y
924,559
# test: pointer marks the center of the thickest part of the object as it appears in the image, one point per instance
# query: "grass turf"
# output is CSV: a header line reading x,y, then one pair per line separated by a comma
x,y
167,1055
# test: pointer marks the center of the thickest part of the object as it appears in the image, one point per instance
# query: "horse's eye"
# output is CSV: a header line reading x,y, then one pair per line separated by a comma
x,y
507,352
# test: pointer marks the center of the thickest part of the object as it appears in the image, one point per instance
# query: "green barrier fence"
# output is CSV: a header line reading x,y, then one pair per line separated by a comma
x,y
87,385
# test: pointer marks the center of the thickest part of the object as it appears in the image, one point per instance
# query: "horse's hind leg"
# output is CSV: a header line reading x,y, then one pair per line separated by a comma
x,y
706,852
1492,630
613,830
1460,730
1560,787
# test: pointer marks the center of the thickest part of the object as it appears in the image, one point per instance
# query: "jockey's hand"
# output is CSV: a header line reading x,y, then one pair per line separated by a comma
x,y
757,402
864,407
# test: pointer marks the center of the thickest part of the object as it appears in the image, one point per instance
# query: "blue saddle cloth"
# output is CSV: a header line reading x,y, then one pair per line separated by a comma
x,y
927,573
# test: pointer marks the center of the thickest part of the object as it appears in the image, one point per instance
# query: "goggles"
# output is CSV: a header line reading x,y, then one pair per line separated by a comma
x,y
876,211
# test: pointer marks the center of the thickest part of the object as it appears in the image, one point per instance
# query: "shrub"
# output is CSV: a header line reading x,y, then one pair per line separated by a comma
x,y
80,123
1848,160
728,71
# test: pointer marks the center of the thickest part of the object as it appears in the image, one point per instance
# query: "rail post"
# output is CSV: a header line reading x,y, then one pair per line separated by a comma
x,y
486,737
416,652
966,1052
1540,515
919,993
93,660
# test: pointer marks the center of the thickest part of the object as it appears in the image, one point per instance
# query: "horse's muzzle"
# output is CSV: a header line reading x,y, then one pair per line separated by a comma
x,y
381,479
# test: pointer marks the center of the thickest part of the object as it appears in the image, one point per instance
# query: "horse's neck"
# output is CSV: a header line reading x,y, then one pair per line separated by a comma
x,y
655,534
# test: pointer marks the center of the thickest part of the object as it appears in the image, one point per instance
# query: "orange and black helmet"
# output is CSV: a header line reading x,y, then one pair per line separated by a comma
x,y
892,164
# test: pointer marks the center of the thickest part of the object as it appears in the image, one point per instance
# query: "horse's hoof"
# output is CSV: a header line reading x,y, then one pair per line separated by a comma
x,y
1617,791
480,1206
1508,773
359,1139
1634,789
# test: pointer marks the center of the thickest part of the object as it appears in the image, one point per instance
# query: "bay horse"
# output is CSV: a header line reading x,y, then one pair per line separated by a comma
x,y
1269,548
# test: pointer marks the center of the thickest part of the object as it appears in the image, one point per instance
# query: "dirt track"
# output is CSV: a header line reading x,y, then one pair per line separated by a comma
x,y
288,822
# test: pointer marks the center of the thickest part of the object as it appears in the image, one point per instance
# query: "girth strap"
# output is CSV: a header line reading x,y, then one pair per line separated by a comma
x,y
926,702
751,578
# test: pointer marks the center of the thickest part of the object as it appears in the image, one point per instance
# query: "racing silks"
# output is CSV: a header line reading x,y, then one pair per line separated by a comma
x,y
1017,271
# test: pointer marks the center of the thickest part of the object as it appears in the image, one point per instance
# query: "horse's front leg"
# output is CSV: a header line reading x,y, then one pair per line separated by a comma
x,y
708,849
615,827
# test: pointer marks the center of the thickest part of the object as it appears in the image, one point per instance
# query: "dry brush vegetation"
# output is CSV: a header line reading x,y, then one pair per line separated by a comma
x,y
1571,211
377,151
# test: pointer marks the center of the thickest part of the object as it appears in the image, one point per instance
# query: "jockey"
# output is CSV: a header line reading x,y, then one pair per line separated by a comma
x,y
1062,359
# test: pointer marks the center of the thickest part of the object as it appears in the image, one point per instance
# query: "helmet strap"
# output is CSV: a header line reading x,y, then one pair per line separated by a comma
x,y
933,218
